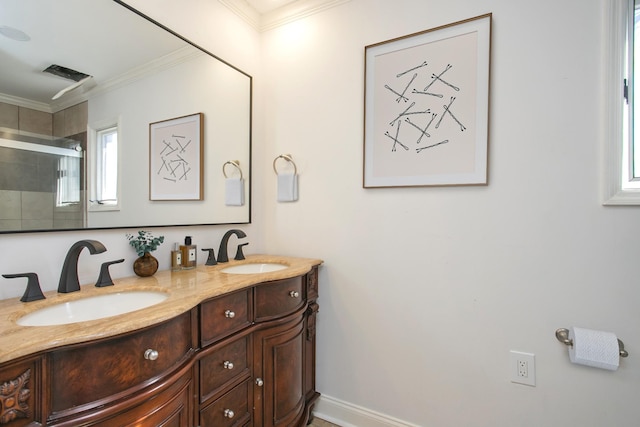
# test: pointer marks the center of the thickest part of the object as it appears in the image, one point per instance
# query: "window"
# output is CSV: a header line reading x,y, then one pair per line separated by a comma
x,y
104,169
622,139
68,181
634,48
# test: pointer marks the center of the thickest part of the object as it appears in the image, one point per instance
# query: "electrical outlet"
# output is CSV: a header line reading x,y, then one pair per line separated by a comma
x,y
523,368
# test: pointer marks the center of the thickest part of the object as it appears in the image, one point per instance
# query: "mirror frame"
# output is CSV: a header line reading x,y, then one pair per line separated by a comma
x,y
250,147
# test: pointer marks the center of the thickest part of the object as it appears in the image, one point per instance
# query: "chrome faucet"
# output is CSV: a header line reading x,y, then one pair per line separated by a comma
x,y
222,252
69,277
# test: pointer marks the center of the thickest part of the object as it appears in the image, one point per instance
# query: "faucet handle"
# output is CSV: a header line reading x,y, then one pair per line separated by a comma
x,y
104,278
239,255
211,259
33,291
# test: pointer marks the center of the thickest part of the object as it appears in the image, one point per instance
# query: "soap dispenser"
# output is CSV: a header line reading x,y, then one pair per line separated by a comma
x,y
189,254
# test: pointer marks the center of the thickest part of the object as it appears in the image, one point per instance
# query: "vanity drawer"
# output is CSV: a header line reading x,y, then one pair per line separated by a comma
x,y
86,373
222,316
222,367
230,410
274,299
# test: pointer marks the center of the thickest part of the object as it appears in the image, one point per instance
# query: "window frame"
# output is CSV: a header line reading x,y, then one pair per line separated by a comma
x,y
93,169
619,15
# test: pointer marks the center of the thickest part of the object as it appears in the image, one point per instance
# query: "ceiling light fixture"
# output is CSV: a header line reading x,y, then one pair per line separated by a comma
x,y
14,34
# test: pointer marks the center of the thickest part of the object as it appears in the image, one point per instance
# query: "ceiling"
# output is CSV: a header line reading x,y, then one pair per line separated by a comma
x,y
23,83
265,6
264,15
92,49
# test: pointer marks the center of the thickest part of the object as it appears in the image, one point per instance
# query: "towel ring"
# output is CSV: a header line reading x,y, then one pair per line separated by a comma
x,y
562,335
288,158
235,163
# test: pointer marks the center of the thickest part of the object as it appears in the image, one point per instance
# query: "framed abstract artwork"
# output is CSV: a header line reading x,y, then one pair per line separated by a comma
x,y
427,107
176,159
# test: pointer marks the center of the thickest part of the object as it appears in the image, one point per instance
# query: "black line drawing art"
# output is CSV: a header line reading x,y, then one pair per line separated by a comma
x,y
395,139
183,148
400,96
426,107
407,113
423,132
437,95
424,64
447,109
167,146
435,78
409,96
419,150
176,161
456,88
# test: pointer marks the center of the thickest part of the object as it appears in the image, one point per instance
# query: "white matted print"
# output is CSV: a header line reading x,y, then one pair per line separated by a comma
x,y
176,159
427,107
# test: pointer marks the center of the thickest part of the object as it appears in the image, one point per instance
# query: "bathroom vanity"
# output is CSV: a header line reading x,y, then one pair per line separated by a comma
x,y
223,349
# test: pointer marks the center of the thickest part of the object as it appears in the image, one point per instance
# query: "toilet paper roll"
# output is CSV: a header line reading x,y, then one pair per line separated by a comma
x,y
598,349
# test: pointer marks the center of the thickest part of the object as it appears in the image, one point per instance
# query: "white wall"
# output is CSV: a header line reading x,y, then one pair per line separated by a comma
x,y
425,290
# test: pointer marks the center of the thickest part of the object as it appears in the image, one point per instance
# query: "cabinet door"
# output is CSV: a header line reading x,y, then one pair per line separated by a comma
x,y
279,395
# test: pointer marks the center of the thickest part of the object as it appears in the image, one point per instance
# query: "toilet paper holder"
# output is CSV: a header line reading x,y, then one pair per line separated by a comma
x,y
562,335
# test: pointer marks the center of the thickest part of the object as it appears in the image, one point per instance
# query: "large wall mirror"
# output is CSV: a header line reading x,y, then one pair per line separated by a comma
x,y
83,86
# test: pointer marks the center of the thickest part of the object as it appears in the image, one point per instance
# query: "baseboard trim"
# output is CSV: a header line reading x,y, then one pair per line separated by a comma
x,y
346,414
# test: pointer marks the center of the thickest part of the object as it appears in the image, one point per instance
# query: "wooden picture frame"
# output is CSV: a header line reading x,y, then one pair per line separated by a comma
x,y
426,120
176,158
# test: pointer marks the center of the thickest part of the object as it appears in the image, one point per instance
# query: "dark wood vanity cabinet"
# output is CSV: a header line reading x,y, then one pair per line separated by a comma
x,y
246,358
262,374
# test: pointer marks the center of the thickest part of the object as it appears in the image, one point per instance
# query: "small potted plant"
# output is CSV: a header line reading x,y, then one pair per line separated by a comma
x,y
144,243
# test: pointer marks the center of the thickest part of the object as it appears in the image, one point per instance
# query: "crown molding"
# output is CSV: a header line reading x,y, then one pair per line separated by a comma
x,y
280,16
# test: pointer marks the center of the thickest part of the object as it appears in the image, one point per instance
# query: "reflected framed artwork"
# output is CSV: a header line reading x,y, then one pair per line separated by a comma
x,y
426,115
176,158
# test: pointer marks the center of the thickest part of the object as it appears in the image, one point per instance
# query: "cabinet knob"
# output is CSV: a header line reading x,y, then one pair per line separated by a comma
x,y
151,354
228,364
229,413
259,382
230,314
294,294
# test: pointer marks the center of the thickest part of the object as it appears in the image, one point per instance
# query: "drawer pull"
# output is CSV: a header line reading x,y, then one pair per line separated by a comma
x,y
259,382
294,294
230,314
228,364
229,413
151,354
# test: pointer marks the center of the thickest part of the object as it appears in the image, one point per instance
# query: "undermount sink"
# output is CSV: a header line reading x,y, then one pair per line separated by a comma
x,y
92,308
254,268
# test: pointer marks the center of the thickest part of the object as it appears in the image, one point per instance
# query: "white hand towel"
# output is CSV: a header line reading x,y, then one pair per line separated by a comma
x,y
234,191
287,187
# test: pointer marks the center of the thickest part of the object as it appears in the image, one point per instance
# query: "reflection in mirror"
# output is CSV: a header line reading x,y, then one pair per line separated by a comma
x,y
55,125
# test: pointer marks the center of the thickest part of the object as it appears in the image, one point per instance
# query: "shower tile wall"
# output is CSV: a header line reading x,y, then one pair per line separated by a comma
x,y
27,198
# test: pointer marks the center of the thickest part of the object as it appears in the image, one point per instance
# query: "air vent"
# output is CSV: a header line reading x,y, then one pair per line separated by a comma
x,y
65,72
